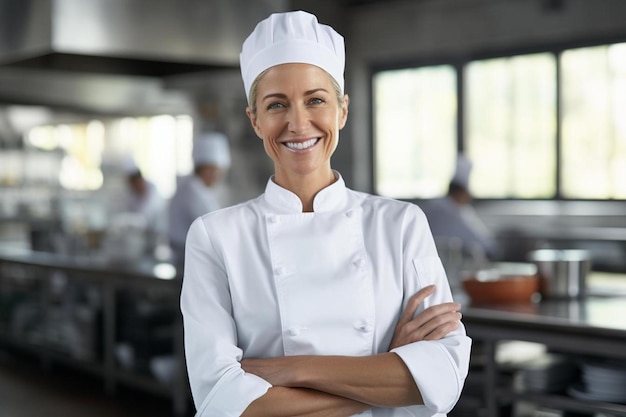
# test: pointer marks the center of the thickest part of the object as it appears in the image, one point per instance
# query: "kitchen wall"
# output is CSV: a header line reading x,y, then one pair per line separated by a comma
x,y
384,33
377,33
410,31
396,32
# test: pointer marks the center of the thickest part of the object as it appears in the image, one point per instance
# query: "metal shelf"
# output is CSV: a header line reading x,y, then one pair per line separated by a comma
x,y
560,325
108,282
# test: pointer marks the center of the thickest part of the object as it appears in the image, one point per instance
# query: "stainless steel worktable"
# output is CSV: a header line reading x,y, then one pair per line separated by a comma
x,y
595,325
108,278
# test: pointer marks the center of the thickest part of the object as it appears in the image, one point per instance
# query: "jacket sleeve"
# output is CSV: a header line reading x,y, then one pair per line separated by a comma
x,y
438,367
220,388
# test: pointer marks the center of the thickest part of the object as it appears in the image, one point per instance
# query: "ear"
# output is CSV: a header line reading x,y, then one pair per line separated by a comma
x,y
343,117
253,122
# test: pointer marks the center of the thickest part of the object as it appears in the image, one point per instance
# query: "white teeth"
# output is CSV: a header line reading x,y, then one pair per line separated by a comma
x,y
301,145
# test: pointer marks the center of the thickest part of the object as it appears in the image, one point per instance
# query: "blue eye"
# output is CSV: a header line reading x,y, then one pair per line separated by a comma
x,y
275,105
316,101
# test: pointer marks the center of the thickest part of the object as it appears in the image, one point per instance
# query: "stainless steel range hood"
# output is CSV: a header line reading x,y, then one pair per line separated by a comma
x,y
134,37
116,56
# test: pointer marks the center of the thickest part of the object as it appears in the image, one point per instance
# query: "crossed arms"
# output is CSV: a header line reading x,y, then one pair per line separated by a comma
x,y
336,386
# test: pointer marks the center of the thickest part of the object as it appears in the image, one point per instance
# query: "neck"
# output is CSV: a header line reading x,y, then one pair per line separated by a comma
x,y
306,187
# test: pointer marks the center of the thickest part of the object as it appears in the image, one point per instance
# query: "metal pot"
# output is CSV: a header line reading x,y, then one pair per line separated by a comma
x,y
563,272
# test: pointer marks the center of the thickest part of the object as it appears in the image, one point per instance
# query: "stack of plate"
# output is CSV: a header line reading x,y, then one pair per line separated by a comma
x,y
602,380
550,372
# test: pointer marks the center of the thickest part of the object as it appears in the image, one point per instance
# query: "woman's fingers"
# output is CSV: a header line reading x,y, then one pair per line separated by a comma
x,y
414,302
435,313
433,323
443,330
435,328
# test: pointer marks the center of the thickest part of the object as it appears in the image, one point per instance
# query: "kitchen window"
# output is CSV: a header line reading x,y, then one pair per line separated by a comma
x,y
593,120
415,130
81,146
542,125
160,145
510,126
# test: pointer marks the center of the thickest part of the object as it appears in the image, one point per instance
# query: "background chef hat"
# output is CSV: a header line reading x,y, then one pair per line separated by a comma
x,y
291,37
211,148
462,171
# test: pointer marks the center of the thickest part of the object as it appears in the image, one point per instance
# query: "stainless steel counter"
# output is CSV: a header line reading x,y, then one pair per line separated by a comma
x,y
36,275
144,270
591,326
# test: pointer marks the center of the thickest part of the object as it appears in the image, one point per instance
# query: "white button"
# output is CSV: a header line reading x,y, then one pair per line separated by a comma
x,y
363,326
350,213
359,263
279,270
293,331
272,219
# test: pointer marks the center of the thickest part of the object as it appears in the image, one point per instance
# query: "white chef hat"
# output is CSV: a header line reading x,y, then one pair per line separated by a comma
x,y
291,37
211,148
462,171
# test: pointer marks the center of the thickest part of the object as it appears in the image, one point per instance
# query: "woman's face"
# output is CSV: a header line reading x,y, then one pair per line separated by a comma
x,y
298,118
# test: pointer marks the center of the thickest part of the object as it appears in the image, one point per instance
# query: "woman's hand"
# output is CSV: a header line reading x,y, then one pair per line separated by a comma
x,y
431,324
277,371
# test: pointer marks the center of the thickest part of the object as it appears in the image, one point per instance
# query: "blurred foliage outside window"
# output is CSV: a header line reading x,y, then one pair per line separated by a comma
x,y
593,120
415,131
510,126
160,146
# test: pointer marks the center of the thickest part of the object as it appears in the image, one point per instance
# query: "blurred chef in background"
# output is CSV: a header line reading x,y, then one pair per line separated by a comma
x,y
137,214
196,194
454,221
143,198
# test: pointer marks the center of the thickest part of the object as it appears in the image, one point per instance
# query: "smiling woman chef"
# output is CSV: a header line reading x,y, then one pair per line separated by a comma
x,y
313,299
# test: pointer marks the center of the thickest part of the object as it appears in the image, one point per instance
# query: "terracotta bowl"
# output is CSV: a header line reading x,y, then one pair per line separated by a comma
x,y
508,289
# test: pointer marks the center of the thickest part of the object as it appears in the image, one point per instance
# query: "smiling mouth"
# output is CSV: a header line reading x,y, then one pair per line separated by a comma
x,y
299,146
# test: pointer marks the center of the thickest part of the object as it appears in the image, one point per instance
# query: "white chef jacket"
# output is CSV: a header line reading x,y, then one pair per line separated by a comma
x,y
150,206
191,200
263,279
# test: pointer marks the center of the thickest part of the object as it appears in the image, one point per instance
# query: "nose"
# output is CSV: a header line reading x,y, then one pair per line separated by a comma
x,y
298,118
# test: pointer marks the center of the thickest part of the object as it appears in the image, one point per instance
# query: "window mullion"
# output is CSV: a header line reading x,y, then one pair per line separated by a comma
x,y
558,130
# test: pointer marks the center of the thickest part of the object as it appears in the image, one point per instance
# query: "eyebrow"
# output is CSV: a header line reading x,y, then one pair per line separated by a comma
x,y
283,96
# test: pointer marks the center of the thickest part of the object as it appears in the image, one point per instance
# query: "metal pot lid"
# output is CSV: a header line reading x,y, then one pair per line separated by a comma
x,y
559,255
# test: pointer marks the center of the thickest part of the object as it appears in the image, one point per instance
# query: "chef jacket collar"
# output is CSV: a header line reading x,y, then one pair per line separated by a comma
x,y
331,198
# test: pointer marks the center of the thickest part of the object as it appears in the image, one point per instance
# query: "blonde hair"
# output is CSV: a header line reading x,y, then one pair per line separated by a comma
x,y
255,84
